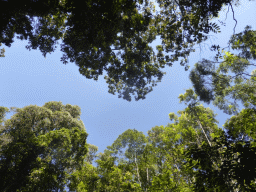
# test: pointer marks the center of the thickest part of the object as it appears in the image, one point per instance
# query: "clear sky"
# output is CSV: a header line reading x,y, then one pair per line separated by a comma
x,y
27,78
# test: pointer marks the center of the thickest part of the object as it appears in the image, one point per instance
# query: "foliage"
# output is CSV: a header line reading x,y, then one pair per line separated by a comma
x,y
2,51
44,148
4,138
113,36
47,144
91,153
135,142
84,179
219,85
227,164
190,154
156,162
242,126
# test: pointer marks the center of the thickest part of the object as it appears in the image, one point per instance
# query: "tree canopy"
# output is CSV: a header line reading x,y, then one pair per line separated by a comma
x,y
220,81
46,144
44,148
113,36
227,164
47,150
193,153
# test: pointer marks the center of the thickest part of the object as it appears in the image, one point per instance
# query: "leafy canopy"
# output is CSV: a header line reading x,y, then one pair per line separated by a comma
x,y
113,36
46,144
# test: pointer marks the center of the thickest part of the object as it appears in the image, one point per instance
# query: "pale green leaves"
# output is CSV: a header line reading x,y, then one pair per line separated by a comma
x,y
189,96
172,116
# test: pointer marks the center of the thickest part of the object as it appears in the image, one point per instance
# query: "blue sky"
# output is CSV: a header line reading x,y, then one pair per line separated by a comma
x,y
27,78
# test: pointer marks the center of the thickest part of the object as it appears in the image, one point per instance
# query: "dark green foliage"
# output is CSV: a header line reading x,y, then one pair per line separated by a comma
x,y
113,36
225,166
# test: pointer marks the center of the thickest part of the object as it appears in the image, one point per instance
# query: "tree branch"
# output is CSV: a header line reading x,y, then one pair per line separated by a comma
x,y
233,16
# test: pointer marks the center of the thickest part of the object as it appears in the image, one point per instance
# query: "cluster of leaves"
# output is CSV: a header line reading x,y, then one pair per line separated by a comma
x,y
41,147
227,82
185,23
225,166
113,35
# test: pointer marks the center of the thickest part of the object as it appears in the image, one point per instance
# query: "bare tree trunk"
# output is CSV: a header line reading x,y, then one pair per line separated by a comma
x,y
199,123
147,175
137,170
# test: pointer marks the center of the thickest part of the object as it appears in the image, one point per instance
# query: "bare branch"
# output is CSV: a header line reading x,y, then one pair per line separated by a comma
x,y
233,16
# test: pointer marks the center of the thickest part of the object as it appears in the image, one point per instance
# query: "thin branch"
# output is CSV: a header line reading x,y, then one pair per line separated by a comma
x,y
239,63
204,132
233,16
227,14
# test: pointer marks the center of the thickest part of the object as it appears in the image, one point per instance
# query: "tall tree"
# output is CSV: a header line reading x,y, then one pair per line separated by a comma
x,y
47,144
91,153
227,165
190,154
194,127
115,177
135,142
